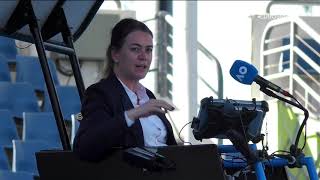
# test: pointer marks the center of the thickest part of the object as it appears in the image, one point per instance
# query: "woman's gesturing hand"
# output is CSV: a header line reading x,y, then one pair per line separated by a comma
x,y
152,107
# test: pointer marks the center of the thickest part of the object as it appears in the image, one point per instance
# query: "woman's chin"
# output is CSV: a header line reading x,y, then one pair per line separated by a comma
x,y
140,76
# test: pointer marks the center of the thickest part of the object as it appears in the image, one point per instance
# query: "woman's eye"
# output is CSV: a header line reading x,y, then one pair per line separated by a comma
x,y
149,50
135,49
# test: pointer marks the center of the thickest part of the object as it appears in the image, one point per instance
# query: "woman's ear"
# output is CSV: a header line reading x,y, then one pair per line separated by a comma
x,y
115,56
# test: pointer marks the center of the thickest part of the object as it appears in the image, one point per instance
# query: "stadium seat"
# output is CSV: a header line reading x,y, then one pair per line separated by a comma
x,y
8,48
29,70
18,98
74,127
24,159
8,130
69,100
4,164
9,175
4,70
41,126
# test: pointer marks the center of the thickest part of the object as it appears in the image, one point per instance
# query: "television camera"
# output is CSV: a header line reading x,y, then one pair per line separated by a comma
x,y
237,120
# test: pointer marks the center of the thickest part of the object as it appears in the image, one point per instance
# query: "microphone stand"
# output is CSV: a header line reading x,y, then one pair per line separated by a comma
x,y
294,150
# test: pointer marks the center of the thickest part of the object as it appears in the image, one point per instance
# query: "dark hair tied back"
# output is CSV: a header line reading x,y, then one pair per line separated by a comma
x,y
118,34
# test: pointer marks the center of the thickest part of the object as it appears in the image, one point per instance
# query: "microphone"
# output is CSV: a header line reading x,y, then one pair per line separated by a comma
x,y
246,73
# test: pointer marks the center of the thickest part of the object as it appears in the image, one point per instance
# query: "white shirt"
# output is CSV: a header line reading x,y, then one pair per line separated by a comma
x,y
154,131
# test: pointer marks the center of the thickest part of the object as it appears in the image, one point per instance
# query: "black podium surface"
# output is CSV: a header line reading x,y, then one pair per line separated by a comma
x,y
192,162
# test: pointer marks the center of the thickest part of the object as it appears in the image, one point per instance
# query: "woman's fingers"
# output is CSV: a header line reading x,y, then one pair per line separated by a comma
x,y
162,104
158,110
151,107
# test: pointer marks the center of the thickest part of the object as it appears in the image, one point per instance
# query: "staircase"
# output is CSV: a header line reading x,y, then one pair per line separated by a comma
x,y
289,57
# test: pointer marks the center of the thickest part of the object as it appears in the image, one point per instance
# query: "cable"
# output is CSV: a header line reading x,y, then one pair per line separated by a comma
x,y
24,47
241,120
304,124
170,118
181,131
283,151
305,136
240,139
242,125
295,151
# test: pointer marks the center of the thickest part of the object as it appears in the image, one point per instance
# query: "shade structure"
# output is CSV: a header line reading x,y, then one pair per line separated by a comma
x,y
78,14
51,25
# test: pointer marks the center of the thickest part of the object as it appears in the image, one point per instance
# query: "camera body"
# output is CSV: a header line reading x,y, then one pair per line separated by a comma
x,y
217,116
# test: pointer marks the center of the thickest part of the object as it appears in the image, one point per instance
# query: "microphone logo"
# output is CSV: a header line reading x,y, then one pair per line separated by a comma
x,y
246,73
243,71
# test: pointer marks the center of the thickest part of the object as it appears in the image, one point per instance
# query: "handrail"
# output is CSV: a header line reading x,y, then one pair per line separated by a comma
x,y
306,58
168,18
304,84
291,19
295,20
207,53
290,2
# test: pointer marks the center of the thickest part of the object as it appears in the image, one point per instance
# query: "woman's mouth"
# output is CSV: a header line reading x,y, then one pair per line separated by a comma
x,y
142,66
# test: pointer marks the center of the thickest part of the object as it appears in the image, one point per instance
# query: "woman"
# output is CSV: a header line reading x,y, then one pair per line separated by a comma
x,y
118,111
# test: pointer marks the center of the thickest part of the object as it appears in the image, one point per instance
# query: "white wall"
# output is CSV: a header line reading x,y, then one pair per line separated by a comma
x,y
224,27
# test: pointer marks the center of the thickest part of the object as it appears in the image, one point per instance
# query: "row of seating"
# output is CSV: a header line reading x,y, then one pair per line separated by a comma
x,y
28,70
20,103
36,126
39,130
20,97
24,159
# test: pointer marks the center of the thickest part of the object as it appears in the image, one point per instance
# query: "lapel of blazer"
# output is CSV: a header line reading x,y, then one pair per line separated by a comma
x,y
136,128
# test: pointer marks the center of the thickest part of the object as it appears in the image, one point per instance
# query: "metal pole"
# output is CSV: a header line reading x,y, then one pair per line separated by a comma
x,y
192,60
58,49
34,29
75,66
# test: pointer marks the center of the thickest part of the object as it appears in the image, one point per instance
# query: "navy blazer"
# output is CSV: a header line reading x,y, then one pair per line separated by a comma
x,y
104,126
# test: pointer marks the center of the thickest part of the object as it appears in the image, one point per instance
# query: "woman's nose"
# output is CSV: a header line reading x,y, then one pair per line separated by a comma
x,y
142,55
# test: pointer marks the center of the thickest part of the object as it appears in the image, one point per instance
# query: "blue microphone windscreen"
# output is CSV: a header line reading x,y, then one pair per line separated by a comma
x,y
243,72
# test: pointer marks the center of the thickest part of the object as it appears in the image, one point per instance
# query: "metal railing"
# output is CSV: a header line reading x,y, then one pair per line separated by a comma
x,y
211,57
302,82
286,2
165,20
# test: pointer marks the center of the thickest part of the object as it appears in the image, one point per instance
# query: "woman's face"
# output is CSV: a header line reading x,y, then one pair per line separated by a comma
x,y
133,59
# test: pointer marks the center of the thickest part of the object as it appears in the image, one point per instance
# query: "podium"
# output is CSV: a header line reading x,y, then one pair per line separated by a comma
x,y
192,162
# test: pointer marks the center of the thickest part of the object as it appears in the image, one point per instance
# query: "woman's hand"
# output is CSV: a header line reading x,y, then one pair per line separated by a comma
x,y
153,106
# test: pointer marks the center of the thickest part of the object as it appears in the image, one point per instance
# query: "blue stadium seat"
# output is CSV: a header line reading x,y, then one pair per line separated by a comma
x,y
69,100
4,70
18,98
24,159
8,48
4,164
9,175
29,70
8,130
41,126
